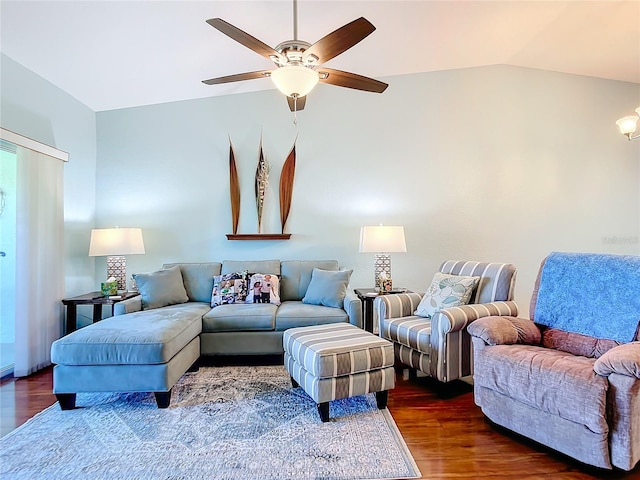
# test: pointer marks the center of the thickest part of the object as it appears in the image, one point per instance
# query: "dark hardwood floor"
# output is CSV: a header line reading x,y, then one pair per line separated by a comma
x,y
445,431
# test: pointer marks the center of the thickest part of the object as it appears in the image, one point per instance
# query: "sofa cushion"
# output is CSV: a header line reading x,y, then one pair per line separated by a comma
x,y
296,275
413,332
297,314
161,288
576,343
198,279
550,380
446,291
327,287
251,266
139,338
240,317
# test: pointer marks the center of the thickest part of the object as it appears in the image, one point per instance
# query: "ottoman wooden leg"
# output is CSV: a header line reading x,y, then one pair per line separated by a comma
x,y
323,410
163,399
67,400
381,399
294,383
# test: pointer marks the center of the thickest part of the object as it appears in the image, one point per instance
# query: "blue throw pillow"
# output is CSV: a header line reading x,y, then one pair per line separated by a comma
x,y
327,287
161,288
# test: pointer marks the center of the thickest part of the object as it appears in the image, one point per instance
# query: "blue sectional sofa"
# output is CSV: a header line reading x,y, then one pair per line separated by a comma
x,y
154,338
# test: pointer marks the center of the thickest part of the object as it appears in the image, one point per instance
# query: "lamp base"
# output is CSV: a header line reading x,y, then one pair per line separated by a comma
x,y
117,268
382,263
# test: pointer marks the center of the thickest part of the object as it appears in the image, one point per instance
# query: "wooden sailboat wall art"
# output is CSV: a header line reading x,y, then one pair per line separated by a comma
x,y
234,189
261,182
286,185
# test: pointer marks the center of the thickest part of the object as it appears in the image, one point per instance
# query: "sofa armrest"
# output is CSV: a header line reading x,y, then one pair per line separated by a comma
x,y
353,306
623,359
457,318
128,306
505,330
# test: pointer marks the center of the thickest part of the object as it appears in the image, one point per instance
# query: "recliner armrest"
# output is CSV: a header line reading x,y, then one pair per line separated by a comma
x,y
505,330
623,359
456,318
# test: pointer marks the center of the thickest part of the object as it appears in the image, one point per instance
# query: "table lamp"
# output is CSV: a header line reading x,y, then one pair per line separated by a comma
x,y
115,243
382,240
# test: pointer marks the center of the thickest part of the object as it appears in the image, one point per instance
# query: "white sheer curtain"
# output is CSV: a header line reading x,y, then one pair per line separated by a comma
x,y
39,259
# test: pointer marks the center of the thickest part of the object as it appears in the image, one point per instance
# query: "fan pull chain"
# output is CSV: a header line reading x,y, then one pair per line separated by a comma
x,y
295,111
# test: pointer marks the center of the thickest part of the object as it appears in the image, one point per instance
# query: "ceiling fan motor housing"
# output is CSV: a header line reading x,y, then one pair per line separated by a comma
x,y
292,53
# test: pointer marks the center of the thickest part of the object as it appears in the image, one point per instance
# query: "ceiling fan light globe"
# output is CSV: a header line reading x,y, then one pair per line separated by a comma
x,y
294,80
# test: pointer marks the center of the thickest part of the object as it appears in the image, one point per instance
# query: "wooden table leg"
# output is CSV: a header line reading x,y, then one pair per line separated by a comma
x,y
97,312
71,318
367,313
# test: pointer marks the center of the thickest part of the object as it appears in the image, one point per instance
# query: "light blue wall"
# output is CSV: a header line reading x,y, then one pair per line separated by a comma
x,y
34,108
494,163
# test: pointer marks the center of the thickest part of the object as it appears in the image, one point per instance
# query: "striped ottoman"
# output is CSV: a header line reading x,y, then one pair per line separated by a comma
x,y
338,361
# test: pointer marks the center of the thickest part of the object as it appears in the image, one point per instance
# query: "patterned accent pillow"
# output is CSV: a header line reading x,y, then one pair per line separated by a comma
x,y
446,291
264,288
229,288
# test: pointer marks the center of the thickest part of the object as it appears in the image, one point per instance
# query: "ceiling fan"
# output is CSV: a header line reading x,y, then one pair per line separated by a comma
x,y
298,63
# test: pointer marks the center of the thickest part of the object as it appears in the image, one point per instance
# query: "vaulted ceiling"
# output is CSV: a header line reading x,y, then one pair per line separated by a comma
x,y
113,54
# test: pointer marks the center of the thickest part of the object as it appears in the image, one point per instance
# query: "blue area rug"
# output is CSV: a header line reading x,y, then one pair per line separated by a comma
x,y
223,423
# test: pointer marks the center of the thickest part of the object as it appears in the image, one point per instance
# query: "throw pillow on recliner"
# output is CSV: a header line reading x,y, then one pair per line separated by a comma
x,y
162,288
446,291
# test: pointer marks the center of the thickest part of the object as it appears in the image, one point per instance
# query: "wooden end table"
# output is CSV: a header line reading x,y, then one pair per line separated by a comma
x,y
367,296
93,298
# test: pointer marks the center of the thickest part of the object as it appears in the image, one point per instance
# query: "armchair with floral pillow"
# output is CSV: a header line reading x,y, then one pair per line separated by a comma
x,y
429,330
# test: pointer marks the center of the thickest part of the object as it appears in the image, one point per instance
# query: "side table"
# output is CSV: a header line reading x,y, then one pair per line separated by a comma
x,y
93,298
367,296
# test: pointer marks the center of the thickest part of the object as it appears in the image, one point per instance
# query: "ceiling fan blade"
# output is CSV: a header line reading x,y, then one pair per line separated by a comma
x,y
296,105
351,80
340,40
238,77
244,38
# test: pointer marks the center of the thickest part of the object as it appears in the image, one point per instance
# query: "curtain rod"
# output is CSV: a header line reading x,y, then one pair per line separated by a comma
x,y
32,144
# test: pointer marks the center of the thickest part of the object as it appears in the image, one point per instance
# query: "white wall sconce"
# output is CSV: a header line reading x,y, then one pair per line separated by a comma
x,y
628,125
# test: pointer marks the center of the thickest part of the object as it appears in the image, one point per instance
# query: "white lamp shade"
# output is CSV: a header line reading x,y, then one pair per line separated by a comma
x,y
115,241
627,125
382,239
295,80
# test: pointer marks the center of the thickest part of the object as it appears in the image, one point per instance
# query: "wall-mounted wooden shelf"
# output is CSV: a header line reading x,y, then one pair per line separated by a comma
x,y
258,236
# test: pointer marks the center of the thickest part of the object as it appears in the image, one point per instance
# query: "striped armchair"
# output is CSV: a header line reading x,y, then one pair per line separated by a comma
x,y
440,346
